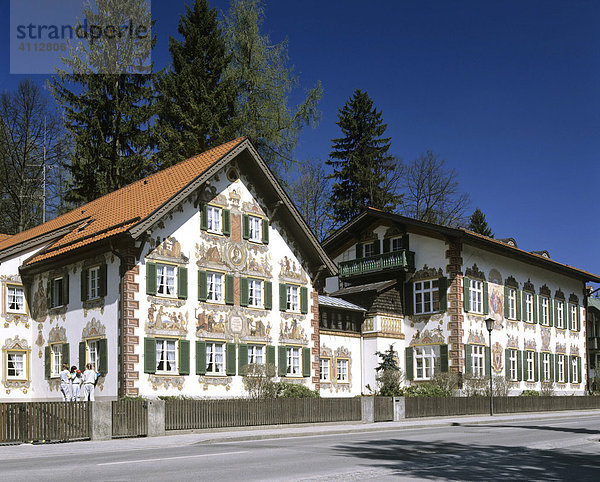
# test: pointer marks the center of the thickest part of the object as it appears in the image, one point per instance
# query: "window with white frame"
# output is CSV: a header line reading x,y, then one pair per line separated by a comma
x,y
512,364
512,303
560,314
16,365
324,365
425,358
546,367
165,280
92,352
56,351
256,354
397,244
213,218
214,287
93,283
215,360
255,298
545,302
293,298
573,317
166,356
560,365
15,299
478,361
529,307
427,296
574,370
293,361
476,295
57,292
341,373
530,364
369,249
254,225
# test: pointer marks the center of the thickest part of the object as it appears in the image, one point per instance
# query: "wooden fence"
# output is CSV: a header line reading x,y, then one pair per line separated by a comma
x,y
384,409
44,421
448,406
197,414
129,418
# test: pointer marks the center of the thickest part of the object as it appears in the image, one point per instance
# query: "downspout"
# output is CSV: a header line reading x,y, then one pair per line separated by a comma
x,y
121,336
586,295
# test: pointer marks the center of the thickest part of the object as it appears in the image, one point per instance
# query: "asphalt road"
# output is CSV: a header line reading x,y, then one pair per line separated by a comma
x,y
559,449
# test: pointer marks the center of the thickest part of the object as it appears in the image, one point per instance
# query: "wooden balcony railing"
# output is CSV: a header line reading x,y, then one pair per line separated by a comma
x,y
396,260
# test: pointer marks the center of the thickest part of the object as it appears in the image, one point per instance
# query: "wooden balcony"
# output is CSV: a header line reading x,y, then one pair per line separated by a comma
x,y
402,260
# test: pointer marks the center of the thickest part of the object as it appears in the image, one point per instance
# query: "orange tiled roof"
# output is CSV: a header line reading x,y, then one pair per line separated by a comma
x,y
114,213
4,236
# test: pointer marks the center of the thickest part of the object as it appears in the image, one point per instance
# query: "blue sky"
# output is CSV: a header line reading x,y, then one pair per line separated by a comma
x,y
507,92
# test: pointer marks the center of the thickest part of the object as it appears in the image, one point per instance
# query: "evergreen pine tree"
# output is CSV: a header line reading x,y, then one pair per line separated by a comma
x,y
107,103
194,102
360,160
479,225
263,82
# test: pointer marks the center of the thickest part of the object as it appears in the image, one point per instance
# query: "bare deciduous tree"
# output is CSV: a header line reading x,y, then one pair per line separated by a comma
x,y
431,192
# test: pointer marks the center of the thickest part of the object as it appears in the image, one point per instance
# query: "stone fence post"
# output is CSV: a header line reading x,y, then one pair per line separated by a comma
x,y
367,406
156,418
399,409
101,420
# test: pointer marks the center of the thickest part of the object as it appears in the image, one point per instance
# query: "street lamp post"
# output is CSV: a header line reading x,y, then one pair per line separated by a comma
x,y
489,324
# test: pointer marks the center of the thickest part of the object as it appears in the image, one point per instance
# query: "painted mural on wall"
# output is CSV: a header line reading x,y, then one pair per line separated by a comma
x,y
476,338
496,304
39,311
428,337
497,352
289,270
161,321
292,331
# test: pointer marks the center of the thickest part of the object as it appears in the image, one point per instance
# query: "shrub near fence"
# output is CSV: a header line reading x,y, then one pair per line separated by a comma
x,y
36,421
448,406
198,414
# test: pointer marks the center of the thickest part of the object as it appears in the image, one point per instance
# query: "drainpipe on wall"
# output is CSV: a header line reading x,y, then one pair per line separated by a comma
x,y
121,336
586,294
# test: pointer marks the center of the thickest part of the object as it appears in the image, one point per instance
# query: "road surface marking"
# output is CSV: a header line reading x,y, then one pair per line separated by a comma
x,y
172,458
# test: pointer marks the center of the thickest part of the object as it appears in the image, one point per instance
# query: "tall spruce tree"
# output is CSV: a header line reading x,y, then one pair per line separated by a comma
x,y
106,98
195,104
479,225
360,160
263,81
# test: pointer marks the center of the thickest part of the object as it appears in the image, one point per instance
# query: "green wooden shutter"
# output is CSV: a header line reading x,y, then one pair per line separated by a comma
x,y
359,250
386,245
182,283
578,317
536,366
226,213
555,312
242,358
203,217
202,286
550,311
518,302
245,226
103,275
409,308
405,242
579,377
50,293
556,367
282,297
265,231
303,299
230,353
229,294
551,363
408,363
376,247
567,315
468,364
84,284
149,355
65,287
184,357
268,295
200,357
524,305
486,299
466,295
519,365
270,355
66,354
306,362
244,291
102,356
568,361
150,278
82,355
536,300
506,297
443,358
443,293
47,362
282,362
487,361
506,353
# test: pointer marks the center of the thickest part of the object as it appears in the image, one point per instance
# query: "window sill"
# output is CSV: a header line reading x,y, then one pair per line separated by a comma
x,y
214,302
215,375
